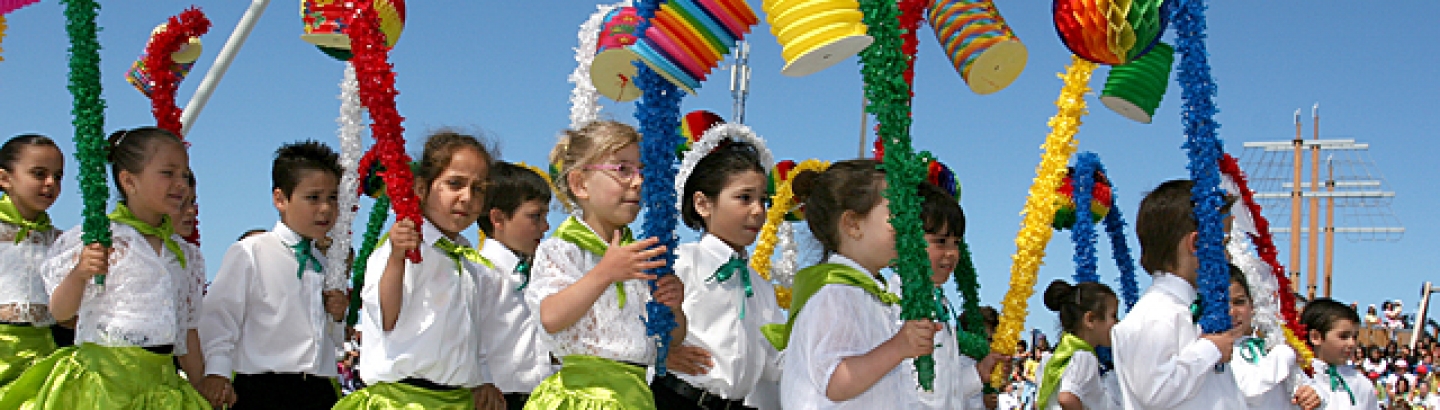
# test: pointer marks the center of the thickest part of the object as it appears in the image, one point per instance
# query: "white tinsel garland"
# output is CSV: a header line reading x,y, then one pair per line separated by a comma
x,y
707,143
352,124
584,100
784,271
1263,286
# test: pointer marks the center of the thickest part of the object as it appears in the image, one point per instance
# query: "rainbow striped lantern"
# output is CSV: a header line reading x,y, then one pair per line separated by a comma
x,y
326,21
139,74
816,34
981,46
1101,200
613,70
688,38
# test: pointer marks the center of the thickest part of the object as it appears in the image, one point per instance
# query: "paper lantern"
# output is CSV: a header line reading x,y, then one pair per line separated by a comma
x,y
694,125
1135,89
1102,200
687,38
139,74
981,46
613,69
1111,32
326,22
816,34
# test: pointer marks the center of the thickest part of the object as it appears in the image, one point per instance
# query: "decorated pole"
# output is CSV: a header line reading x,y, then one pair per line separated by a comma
x,y
157,73
351,122
89,120
222,64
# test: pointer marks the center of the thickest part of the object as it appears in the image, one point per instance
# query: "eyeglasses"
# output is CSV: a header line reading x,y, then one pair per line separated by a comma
x,y
623,172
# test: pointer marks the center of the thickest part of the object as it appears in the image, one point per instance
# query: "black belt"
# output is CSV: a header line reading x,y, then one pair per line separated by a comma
x,y
7,322
428,385
161,349
299,377
701,397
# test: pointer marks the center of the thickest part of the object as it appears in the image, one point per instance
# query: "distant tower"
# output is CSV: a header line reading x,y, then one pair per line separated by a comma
x,y
1353,184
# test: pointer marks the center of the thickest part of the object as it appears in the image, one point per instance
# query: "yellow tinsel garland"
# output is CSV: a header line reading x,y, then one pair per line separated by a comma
x,y
1039,212
1303,355
2,35
780,204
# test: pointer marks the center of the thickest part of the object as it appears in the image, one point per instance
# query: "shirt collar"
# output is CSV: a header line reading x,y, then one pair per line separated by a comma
x,y
430,234
288,236
499,254
1174,286
842,260
717,248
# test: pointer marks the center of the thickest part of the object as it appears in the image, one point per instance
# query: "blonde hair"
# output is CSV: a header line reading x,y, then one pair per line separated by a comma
x,y
583,147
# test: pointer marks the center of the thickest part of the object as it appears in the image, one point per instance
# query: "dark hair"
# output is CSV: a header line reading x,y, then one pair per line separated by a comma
x,y
514,185
1322,313
940,213
293,159
1072,302
853,185
440,147
1166,216
712,173
988,316
10,151
248,233
1238,276
131,149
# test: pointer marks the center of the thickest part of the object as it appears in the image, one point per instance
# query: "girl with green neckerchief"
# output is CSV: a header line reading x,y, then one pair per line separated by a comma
x,y
30,170
1269,378
1073,379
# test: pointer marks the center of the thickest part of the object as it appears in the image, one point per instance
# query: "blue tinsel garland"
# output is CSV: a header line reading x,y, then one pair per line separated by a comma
x,y
1203,148
1083,232
658,111
1115,226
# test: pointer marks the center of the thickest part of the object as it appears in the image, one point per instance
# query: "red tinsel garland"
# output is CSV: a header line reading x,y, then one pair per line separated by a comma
x,y
177,33
1265,246
377,93
911,14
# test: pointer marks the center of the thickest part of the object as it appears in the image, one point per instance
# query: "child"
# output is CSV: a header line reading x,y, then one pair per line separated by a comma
x,y
1071,378
847,345
187,221
589,278
1265,376
1332,330
513,223
422,337
1161,358
30,170
725,302
148,308
266,319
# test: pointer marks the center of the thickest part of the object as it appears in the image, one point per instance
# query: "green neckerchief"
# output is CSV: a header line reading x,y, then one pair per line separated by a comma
x,y
1252,349
1069,344
577,233
456,252
1196,308
809,281
523,268
1337,382
303,255
10,215
942,304
165,231
736,265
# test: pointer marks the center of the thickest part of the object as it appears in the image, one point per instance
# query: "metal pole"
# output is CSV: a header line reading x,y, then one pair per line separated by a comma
x,y
864,119
1420,317
1297,208
222,64
1329,226
740,81
1314,234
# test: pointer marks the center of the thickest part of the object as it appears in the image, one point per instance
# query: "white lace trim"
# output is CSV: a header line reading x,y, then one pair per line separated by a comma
x,y
606,330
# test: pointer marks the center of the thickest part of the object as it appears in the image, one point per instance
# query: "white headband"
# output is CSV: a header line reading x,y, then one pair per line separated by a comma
x,y
707,144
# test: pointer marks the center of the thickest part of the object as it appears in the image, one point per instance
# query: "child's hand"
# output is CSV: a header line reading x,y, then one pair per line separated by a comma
x,y
689,360
94,260
218,391
403,238
336,303
670,291
986,366
1306,398
626,262
916,338
1225,341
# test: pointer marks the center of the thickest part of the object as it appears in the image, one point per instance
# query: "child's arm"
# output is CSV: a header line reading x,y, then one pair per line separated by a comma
x,y
193,361
856,374
620,263
94,259
1069,401
220,322
404,237
1154,372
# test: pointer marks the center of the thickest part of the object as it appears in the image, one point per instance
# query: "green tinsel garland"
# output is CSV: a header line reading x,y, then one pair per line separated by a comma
x,y
378,214
970,333
883,66
89,121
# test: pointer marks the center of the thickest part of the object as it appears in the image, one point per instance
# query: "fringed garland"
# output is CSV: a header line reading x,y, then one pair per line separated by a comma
x,y
659,114
971,339
1087,165
584,99
379,212
352,124
177,33
89,120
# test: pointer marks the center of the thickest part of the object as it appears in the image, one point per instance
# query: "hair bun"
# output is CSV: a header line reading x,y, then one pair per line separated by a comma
x,y
1058,294
802,184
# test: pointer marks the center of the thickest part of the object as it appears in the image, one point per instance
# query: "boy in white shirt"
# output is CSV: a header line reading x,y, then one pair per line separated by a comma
x,y
1332,328
267,321
513,222
1161,358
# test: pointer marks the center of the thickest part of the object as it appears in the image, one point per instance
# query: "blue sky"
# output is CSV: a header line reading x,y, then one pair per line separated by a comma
x,y
500,68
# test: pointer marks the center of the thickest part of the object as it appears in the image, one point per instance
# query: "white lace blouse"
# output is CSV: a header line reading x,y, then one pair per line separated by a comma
x,y
148,298
607,330
23,297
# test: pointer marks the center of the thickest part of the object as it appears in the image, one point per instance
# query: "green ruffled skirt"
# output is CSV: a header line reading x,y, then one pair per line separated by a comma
x,y
91,376
385,396
593,383
20,348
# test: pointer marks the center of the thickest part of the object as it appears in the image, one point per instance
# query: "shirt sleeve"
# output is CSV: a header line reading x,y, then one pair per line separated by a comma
x,y
61,259
1268,373
193,289
409,321
224,312
1153,371
971,383
829,330
554,270
491,329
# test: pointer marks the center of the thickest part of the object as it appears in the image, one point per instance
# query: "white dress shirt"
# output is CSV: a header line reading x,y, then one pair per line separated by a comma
x,y
838,322
1162,362
1335,397
437,334
607,330
957,382
516,349
713,310
262,316
1270,382
1082,378
23,297
148,298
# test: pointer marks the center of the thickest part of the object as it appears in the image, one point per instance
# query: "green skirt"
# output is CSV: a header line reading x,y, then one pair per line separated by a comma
x,y
20,348
593,383
91,376
385,396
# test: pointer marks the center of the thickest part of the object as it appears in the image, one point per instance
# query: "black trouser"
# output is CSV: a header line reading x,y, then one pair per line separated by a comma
x,y
283,391
672,393
516,401
64,336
